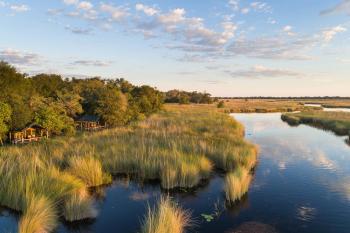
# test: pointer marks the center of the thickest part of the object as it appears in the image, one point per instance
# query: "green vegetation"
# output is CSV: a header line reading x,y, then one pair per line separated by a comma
x,y
39,216
338,122
180,146
183,97
261,105
237,184
166,217
54,103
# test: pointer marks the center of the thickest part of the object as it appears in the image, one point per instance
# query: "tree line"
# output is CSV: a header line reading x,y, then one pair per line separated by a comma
x,y
54,102
183,97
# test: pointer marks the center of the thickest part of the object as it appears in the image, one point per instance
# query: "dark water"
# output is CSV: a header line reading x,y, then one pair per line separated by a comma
x,y
301,184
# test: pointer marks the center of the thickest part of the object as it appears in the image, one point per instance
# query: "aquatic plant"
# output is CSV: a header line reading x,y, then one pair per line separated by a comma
x,y
237,184
89,170
39,216
166,217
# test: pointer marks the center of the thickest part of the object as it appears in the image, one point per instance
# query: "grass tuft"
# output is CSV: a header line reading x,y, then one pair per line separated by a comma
x,y
237,184
166,217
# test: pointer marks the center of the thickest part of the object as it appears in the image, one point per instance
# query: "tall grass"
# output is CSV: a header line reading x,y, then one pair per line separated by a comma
x,y
237,184
39,216
89,170
166,217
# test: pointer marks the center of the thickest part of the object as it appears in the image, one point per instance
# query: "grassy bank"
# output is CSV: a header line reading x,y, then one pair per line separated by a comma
x,y
338,122
261,105
180,146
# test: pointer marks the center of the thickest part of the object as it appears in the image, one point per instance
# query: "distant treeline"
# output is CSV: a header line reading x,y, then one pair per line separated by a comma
x,y
183,97
287,98
54,102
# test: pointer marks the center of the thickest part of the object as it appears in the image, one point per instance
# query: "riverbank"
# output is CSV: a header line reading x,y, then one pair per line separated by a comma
x,y
179,147
337,122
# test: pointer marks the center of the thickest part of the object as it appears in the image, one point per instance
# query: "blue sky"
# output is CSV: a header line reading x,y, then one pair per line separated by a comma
x,y
225,47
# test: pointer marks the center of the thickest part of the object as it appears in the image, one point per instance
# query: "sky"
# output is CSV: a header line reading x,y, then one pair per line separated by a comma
x,y
224,47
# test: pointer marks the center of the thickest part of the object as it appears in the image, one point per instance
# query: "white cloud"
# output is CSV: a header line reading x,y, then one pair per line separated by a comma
x,y
330,33
84,5
245,11
19,57
234,4
70,2
261,7
97,63
20,8
79,31
288,30
291,48
117,13
260,71
150,11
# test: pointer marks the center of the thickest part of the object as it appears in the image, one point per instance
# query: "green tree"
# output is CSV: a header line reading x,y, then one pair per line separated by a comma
x,y
112,106
5,116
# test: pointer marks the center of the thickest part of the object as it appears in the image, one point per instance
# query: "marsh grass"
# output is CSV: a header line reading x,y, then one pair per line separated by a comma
x,y
166,217
237,184
89,170
39,216
180,147
338,122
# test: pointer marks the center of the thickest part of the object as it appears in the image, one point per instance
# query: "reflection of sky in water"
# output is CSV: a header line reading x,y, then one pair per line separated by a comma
x,y
288,146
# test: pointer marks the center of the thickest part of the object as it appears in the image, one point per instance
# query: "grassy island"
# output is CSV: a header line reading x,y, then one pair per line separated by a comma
x,y
338,122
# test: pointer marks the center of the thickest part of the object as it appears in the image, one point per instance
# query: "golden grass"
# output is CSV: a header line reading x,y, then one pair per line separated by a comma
x,y
237,184
166,217
40,216
89,170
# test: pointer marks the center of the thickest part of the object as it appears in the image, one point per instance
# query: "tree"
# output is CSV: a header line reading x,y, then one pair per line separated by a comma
x,y
48,84
52,116
5,116
112,106
147,99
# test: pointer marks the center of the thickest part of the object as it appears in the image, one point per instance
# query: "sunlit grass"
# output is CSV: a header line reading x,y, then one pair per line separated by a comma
x,y
89,170
39,216
78,206
237,184
166,217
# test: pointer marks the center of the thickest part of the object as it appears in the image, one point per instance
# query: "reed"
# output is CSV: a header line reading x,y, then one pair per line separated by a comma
x,y
89,170
237,184
166,217
78,206
40,216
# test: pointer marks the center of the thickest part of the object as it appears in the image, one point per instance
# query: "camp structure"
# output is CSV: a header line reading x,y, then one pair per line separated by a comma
x,y
32,133
89,123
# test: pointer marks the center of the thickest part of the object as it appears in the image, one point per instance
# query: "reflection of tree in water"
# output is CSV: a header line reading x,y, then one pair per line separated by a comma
x,y
348,141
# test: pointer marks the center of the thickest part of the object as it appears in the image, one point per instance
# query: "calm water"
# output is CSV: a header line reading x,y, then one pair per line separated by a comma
x,y
301,184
